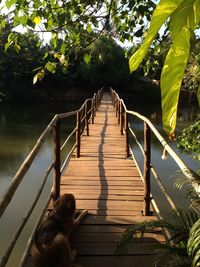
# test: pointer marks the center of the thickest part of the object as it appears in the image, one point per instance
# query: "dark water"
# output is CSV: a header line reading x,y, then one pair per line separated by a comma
x,y
20,127
167,169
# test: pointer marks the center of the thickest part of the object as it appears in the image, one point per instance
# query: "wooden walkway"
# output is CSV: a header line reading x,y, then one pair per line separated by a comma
x,y
108,184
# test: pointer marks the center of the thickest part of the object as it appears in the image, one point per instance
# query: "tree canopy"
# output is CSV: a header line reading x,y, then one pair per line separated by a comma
x,y
183,17
76,24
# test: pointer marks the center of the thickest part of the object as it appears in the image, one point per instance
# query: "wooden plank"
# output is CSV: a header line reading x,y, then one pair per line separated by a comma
x,y
81,196
88,177
108,249
114,261
110,212
118,219
109,204
101,171
116,228
101,192
96,187
113,237
103,183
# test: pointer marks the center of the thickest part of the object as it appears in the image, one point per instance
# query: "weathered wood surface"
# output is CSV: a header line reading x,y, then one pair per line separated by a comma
x,y
108,184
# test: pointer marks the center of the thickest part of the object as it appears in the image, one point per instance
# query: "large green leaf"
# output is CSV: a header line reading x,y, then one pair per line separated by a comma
x,y
175,63
184,17
171,78
179,18
163,10
197,12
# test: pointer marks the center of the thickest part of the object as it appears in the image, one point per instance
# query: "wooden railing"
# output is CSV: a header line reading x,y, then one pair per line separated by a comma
x,y
123,115
84,116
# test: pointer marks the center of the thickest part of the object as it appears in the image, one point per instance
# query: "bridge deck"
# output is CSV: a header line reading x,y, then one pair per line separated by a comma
x,y
108,184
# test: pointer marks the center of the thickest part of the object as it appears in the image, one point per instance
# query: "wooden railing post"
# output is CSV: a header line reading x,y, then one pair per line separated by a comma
x,y
121,118
92,111
127,134
116,106
147,169
96,102
57,164
118,112
86,118
78,134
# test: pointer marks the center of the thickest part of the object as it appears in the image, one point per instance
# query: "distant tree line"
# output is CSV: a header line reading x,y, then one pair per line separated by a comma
x,y
102,63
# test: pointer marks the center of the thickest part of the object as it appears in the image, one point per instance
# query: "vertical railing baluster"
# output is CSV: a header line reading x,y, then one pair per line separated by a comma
x,y
147,169
121,118
92,111
116,106
127,134
118,103
57,163
78,134
86,118
95,104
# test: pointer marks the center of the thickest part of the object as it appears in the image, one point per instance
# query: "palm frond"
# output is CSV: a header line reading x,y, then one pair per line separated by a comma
x,y
181,180
179,223
193,246
173,256
182,220
131,231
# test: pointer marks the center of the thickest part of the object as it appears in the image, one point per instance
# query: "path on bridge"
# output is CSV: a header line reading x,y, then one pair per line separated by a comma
x,y
108,184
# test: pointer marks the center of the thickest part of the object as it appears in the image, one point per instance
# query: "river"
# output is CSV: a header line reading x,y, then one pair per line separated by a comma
x,y
20,127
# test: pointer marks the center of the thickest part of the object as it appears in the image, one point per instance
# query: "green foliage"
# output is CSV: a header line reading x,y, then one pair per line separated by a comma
x,y
191,79
193,244
78,23
189,139
87,58
183,180
103,63
39,76
75,25
179,223
155,57
19,61
184,17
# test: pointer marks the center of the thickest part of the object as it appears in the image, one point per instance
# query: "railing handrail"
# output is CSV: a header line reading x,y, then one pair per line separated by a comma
x,y
186,171
119,103
25,166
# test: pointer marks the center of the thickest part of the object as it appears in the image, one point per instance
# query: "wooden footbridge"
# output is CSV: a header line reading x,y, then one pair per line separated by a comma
x,y
102,173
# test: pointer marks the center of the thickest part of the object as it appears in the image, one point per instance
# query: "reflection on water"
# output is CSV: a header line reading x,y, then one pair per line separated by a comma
x,y
20,127
167,170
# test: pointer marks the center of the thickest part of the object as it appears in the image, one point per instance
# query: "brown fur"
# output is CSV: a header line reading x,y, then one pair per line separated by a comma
x,y
51,247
